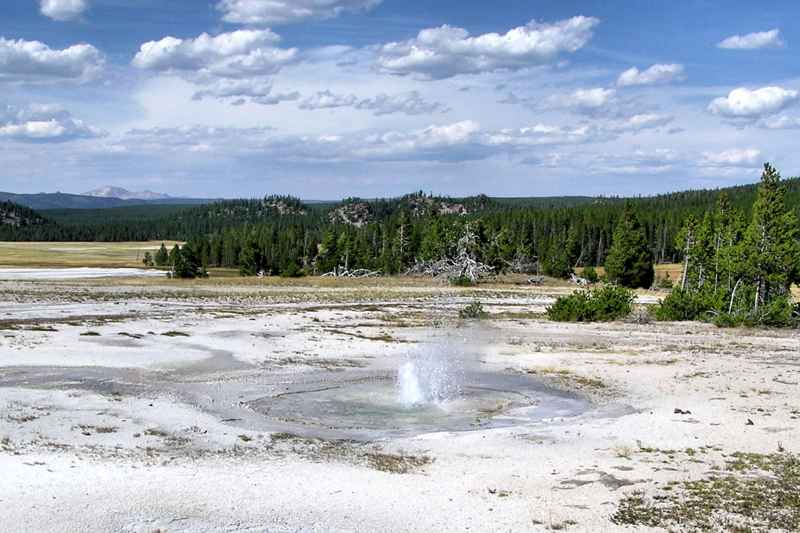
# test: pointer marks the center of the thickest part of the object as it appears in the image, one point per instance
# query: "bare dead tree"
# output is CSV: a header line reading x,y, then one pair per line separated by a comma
x,y
356,273
463,266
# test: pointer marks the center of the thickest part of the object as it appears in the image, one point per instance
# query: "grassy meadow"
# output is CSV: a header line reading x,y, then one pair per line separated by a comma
x,y
77,254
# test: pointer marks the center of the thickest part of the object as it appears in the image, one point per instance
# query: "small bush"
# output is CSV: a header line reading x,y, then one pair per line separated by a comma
x,y
590,274
598,305
573,308
685,305
665,282
461,281
779,313
473,311
292,271
729,320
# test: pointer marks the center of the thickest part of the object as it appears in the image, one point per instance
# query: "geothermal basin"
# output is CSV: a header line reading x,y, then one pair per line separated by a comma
x,y
432,391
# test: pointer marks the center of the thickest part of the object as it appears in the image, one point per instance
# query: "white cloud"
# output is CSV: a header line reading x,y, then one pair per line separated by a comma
x,y
33,61
239,91
269,12
230,66
41,123
241,53
444,52
409,103
656,74
449,142
640,122
656,161
582,99
328,100
747,157
745,104
781,122
753,41
542,135
454,142
62,10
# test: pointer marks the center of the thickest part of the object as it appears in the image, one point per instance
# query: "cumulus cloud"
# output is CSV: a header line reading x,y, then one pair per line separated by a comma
x,y
33,61
62,10
258,90
193,139
746,157
781,122
449,142
41,123
328,100
582,99
639,122
542,135
753,41
231,66
235,54
447,51
657,161
656,74
273,12
746,104
409,103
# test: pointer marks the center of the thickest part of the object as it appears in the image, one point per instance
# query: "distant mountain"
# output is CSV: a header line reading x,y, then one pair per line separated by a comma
x,y
123,194
61,200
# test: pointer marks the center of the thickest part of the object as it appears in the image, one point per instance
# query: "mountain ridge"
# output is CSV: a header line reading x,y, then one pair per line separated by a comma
x,y
111,191
60,200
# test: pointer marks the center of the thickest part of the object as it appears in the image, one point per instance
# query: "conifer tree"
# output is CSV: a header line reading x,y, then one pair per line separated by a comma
x,y
630,262
771,252
162,256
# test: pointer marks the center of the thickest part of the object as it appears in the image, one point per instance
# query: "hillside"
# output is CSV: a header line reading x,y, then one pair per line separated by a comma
x,y
17,216
59,200
17,220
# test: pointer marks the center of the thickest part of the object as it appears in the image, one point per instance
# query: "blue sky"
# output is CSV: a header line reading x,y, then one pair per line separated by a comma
x,y
332,98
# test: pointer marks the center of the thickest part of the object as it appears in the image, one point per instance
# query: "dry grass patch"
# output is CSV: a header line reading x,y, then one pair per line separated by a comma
x,y
753,492
77,254
396,463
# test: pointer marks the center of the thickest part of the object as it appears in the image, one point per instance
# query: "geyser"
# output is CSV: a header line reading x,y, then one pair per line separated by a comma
x,y
428,379
437,387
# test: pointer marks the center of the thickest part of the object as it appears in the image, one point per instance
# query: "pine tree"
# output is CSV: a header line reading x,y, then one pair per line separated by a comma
x,y
771,252
630,262
250,259
162,256
556,261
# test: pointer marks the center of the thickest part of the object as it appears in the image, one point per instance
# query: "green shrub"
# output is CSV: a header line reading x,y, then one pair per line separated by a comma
x,y
779,313
729,320
461,281
573,308
292,271
590,274
665,282
612,302
597,305
685,305
473,311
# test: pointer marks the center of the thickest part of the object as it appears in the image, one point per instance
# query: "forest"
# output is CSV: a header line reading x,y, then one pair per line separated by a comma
x,y
282,235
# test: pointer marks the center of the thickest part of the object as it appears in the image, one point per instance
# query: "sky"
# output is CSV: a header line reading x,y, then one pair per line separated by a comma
x,y
325,99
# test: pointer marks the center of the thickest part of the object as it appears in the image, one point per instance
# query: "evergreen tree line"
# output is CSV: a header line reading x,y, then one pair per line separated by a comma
x,y
255,236
739,268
